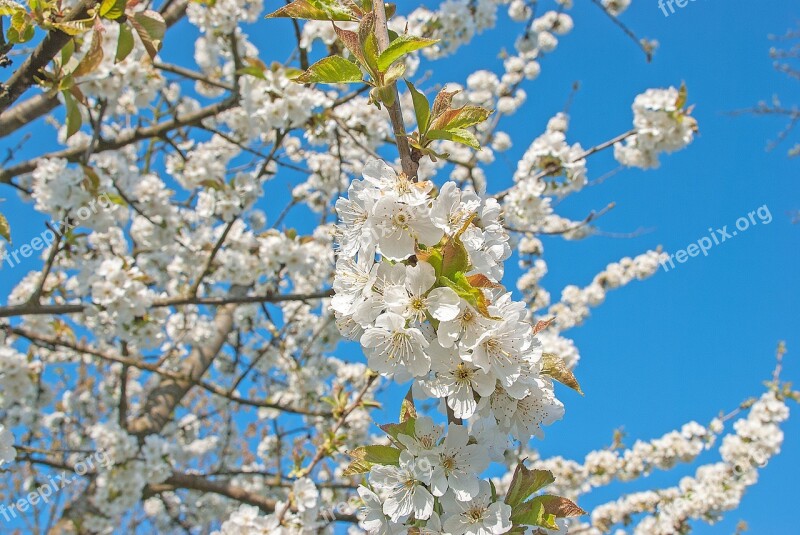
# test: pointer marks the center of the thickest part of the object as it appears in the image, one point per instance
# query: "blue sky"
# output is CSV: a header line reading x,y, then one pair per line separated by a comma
x,y
685,344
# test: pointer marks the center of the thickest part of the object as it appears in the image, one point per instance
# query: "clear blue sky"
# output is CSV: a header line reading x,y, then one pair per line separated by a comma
x,y
685,344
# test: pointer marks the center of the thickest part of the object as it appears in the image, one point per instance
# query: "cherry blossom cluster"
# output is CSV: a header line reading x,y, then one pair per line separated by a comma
x,y
437,480
417,283
616,7
756,439
573,309
715,488
661,123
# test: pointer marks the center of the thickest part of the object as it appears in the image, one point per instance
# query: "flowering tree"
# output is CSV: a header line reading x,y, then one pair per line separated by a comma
x,y
177,363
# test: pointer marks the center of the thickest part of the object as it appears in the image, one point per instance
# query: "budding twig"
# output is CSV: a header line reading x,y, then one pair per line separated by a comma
x,y
410,166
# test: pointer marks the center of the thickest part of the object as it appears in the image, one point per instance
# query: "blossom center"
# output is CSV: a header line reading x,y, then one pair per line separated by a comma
x,y
463,373
448,463
475,515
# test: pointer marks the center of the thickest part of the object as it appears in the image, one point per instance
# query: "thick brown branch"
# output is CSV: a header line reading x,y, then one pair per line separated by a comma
x,y
163,399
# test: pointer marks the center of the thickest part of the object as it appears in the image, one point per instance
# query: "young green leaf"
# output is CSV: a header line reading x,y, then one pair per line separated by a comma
x,y
442,102
314,10
394,73
559,507
74,27
124,43
461,118
403,428
352,43
357,467
369,43
331,70
401,46
92,58
555,367
533,513
112,9
5,229
683,96
9,7
376,454
422,108
407,409
455,258
151,27
458,135
525,483
74,119
21,28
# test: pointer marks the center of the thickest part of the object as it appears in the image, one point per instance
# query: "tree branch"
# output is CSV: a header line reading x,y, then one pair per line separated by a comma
x,y
24,77
158,130
410,165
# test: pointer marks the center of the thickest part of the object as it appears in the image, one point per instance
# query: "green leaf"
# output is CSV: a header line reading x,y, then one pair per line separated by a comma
x,y
5,228
112,9
92,182
559,507
74,119
376,454
683,96
74,27
555,367
352,43
115,198
404,428
458,135
151,27
67,51
526,482
442,102
533,513
401,46
422,108
407,409
461,118
432,256
369,43
461,286
314,10
357,467
394,73
455,258
92,58
9,7
331,70
21,28
255,72
124,43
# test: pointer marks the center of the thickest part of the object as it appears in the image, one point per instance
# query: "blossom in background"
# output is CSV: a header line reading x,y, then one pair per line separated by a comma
x,y
661,124
7,451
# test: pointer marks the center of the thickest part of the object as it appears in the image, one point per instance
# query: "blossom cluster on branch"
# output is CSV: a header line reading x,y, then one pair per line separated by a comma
x,y
186,327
